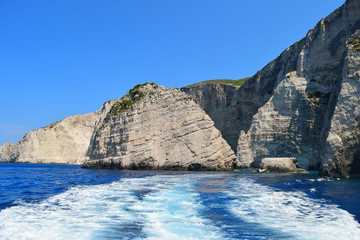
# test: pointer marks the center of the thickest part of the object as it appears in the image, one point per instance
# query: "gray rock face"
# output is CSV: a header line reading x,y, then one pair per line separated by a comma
x,y
280,165
233,108
303,103
159,128
341,149
219,101
8,152
64,142
151,127
287,125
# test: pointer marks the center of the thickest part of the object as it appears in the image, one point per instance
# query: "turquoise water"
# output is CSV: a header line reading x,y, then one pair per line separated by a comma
x,y
67,202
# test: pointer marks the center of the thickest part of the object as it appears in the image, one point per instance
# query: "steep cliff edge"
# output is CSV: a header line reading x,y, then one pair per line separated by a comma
x,y
341,145
311,100
153,127
65,142
302,104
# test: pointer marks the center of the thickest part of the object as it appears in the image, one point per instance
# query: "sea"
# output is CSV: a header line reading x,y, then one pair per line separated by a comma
x,y
68,202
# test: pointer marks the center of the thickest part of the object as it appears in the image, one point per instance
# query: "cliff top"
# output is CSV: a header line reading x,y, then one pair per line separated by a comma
x,y
238,82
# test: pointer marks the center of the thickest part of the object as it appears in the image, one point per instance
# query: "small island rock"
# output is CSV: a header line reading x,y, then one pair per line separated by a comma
x,y
280,165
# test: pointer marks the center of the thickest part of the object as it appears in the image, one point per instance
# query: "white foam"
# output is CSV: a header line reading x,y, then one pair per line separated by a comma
x,y
169,207
168,210
77,214
291,213
327,179
174,214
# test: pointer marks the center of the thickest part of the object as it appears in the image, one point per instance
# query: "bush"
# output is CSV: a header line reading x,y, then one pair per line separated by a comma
x,y
121,106
357,46
315,97
355,41
135,95
127,102
291,70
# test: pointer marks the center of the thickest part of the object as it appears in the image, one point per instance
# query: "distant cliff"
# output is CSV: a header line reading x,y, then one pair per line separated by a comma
x,y
153,127
303,104
66,141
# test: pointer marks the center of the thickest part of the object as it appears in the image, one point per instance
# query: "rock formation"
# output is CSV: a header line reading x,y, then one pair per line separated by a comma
x,y
153,127
303,104
220,102
286,125
279,165
341,148
65,142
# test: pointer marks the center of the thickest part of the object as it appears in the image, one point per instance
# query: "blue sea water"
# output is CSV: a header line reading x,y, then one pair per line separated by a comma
x,y
67,202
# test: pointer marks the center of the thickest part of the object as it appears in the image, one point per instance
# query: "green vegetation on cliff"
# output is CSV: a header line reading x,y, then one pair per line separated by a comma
x,y
355,42
120,106
238,82
315,97
135,95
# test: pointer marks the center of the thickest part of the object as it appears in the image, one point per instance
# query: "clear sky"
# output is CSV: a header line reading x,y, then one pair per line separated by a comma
x,y
65,57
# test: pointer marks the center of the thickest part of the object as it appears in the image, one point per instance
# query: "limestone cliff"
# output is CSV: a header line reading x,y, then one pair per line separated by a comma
x,y
312,99
303,104
64,142
219,102
341,145
286,125
153,127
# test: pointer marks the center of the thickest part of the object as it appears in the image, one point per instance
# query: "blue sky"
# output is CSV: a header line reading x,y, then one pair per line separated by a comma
x,y
65,57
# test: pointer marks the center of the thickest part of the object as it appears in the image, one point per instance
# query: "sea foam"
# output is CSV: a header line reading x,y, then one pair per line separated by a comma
x,y
158,207
292,213
181,206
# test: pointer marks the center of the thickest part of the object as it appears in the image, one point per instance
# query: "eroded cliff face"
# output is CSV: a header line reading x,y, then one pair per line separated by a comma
x,y
303,103
318,94
153,127
219,102
288,125
64,142
8,152
341,145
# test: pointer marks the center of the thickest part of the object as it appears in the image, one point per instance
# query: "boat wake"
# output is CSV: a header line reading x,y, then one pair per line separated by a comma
x,y
173,207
